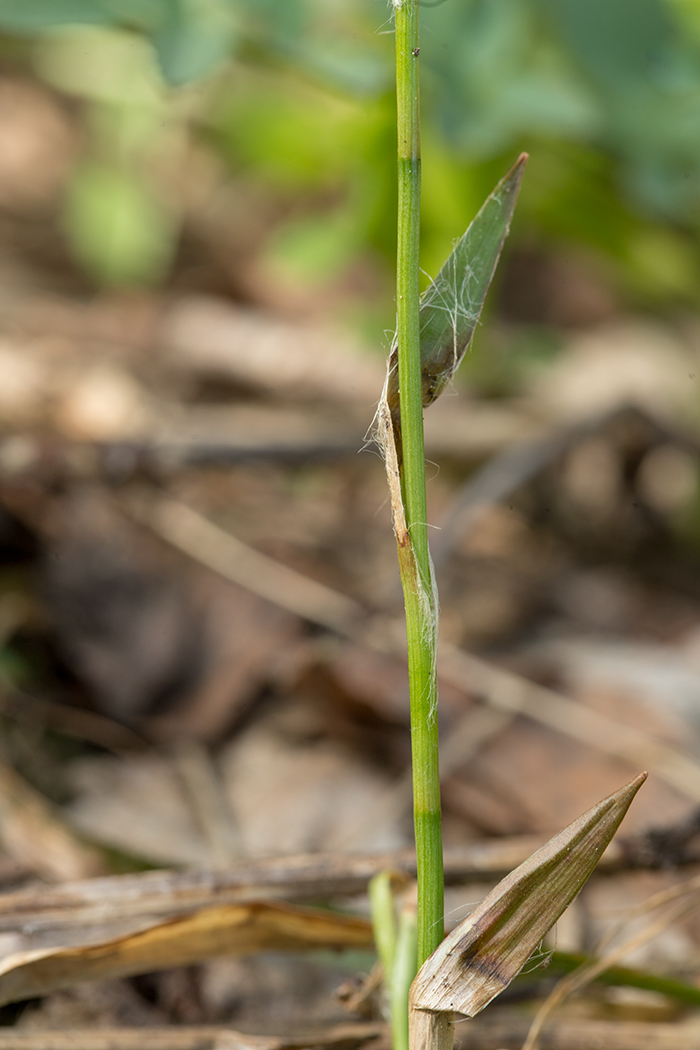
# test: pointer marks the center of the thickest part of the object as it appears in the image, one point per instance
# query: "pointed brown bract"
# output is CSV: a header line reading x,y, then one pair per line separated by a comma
x,y
483,955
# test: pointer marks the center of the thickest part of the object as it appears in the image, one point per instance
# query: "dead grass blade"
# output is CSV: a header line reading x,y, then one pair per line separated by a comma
x,y
70,721
509,692
64,913
205,1037
193,534
580,1034
581,977
229,930
199,538
37,838
205,792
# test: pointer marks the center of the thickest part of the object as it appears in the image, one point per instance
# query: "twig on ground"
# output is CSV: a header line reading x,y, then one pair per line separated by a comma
x,y
580,1034
194,535
473,1035
586,973
137,898
657,900
70,721
500,477
212,546
206,794
521,461
204,1037
509,692
230,435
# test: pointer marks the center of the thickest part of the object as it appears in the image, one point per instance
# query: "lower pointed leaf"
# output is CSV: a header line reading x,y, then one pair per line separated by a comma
x,y
482,956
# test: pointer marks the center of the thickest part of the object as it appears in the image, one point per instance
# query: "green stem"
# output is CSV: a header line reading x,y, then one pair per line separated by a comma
x,y
414,559
402,977
381,899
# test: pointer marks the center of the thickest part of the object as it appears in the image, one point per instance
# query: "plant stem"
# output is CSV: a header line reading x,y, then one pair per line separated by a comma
x,y
414,559
381,899
402,976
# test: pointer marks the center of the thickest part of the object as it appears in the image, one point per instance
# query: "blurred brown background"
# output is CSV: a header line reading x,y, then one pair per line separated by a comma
x,y
196,234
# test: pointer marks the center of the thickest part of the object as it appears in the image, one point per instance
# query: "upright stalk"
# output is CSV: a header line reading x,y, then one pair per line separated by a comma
x,y
414,559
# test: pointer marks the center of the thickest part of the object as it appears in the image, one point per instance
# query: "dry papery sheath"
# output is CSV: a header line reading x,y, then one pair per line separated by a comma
x,y
483,955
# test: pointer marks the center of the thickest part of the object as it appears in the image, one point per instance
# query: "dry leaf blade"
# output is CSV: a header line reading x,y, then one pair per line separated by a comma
x,y
205,934
483,955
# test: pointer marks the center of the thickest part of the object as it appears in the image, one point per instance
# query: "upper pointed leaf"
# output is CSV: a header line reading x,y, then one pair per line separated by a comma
x,y
451,305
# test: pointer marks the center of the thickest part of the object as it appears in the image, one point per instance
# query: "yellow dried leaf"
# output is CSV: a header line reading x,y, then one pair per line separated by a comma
x,y
230,930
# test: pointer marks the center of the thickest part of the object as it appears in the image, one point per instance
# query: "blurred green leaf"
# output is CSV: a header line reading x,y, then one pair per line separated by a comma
x,y
282,20
493,74
295,134
26,16
315,248
118,229
347,65
30,16
616,40
109,65
145,13
604,94
194,39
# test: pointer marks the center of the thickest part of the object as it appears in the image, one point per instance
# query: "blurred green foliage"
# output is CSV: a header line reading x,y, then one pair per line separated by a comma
x,y
296,96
